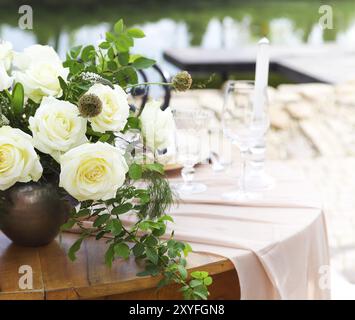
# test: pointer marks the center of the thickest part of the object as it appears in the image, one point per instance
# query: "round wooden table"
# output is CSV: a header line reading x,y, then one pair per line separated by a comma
x,y
56,277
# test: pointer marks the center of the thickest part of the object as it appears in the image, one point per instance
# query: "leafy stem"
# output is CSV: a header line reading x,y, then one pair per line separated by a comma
x,y
165,257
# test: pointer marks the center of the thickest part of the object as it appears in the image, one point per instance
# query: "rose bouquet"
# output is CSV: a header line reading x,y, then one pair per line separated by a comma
x,y
69,124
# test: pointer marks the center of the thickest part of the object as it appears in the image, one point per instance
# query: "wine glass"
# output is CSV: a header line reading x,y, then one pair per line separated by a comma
x,y
245,121
189,124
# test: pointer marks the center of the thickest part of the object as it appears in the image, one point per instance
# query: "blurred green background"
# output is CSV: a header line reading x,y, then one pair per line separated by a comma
x,y
182,23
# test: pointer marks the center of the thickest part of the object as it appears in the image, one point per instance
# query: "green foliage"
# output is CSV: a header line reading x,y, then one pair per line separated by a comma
x,y
12,106
143,239
135,171
111,62
17,99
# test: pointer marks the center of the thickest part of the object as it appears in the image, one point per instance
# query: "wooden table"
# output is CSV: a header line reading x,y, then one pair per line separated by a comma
x,y
56,277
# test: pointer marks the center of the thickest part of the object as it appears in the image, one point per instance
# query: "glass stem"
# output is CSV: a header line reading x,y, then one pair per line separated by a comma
x,y
243,154
187,174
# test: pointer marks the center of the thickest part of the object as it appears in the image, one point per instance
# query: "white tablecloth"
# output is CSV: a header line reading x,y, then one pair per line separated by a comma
x,y
278,243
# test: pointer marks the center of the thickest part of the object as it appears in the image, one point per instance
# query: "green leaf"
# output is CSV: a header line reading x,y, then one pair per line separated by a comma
x,y
83,212
101,220
200,295
183,262
151,270
195,283
144,225
100,235
143,63
126,75
110,37
162,283
152,255
74,249
123,42
135,171
182,271
138,249
63,84
88,53
133,122
166,217
98,210
171,243
159,230
75,51
157,167
111,53
180,245
185,288
18,97
207,281
123,58
105,137
202,289
199,274
119,26
187,249
68,225
115,226
122,250
104,45
134,57
109,255
151,241
112,65
123,208
136,33
144,198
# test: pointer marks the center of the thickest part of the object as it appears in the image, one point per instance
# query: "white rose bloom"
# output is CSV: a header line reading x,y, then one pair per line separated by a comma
x,y
157,126
5,80
6,54
57,127
93,171
38,69
19,161
115,108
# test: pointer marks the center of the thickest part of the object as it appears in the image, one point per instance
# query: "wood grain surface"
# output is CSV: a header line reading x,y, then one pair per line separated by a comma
x,y
56,277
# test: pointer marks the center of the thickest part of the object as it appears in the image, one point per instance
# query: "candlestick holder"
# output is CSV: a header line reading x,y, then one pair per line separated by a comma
x,y
257,179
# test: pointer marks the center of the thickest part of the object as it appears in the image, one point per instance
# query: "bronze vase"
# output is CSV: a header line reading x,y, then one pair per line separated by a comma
x,y
31,214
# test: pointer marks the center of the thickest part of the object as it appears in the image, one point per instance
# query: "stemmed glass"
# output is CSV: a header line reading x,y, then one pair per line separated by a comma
x,y
188,140
243,124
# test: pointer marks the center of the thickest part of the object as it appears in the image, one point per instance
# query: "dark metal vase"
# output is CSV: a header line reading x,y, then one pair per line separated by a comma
x,y
31,214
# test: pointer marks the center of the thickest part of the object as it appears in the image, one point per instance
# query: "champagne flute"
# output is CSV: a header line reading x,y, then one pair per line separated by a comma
x,y
244,125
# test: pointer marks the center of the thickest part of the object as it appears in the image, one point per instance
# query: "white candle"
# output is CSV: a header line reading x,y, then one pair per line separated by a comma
x,y
261,76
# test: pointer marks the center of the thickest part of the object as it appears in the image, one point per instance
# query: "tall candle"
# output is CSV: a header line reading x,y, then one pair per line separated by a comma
x,y
261,76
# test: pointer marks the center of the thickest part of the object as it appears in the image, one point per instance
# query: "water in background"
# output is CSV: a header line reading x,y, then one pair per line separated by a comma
x,y
181,24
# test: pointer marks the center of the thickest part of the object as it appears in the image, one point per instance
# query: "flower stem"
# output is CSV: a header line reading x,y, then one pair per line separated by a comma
x,y
148,83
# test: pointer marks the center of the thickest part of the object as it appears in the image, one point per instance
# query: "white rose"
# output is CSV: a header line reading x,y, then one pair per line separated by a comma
x,y
57,127
115,108
19,161
6,54
33,54
38,69
5,80
93,171
157,126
